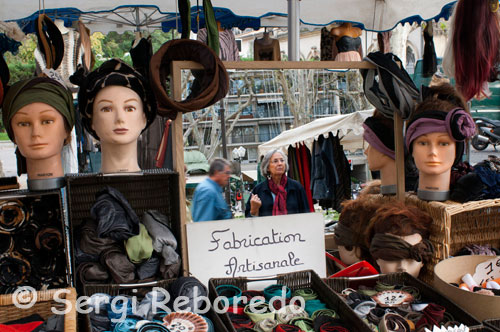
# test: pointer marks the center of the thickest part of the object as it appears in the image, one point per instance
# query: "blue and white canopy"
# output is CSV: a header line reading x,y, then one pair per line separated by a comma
x,y
114,15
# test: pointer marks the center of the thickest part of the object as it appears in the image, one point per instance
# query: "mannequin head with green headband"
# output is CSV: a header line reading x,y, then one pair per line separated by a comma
x,y
38,115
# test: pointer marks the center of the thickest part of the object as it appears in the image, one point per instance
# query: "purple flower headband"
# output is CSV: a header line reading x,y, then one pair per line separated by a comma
x,y
457,123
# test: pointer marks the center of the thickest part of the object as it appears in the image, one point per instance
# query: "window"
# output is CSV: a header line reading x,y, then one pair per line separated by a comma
x,y
268,132
243,135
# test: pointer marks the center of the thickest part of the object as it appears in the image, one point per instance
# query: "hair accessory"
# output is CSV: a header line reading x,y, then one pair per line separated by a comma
x,y
259,311
185,321
392,248
392,298
289,312
304,323
232,293
306,293
12,215
277,290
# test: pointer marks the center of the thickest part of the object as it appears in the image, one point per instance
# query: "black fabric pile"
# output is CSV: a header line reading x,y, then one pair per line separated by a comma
x,y
100,243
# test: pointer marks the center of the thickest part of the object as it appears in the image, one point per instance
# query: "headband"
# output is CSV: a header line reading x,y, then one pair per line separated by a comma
x,y
50,41
344,236
379,136
393,248
41,90
113,72
210,85
457,123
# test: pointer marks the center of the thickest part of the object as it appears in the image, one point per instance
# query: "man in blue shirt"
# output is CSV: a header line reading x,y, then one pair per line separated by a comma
x,y
208,203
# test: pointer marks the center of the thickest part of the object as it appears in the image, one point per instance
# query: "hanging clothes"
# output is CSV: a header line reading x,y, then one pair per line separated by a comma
x,y
330,173
430,61
228,49
327,45
266,49
305,157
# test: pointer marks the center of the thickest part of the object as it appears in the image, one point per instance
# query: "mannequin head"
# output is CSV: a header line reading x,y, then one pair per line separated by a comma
x,y
117,105
118,116
349,232
398,235
39,117
380,155
435,135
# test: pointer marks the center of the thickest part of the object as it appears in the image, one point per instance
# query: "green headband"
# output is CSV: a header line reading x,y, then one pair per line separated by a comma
x,y
37,90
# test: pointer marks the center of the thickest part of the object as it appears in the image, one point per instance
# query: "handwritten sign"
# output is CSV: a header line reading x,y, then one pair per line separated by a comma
x,y
256,247
487,271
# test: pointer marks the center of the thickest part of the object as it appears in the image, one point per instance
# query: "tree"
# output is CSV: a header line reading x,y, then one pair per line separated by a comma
x,y
213,116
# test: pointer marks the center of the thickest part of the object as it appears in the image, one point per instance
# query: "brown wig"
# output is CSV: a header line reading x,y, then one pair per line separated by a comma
x,y
476,36
399,219
356,215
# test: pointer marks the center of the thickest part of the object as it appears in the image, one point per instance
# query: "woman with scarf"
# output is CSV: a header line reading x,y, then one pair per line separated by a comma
x,y
38,115
278,195
117,105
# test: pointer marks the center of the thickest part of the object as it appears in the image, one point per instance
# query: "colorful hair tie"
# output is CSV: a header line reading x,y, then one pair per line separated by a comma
x,y
277,290
289,312
306,293
324,312
258,311
12,215
314,305
266,325
152,327
240,321
286,328
304,323
232,293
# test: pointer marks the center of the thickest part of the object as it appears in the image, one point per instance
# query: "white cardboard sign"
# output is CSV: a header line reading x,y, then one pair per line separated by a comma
x,y
487,271
256,247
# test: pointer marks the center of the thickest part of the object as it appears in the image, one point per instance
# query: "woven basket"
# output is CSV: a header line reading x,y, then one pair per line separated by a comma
x,y
150,190
494,324
43,305
427,293
456,225
294,280
137,290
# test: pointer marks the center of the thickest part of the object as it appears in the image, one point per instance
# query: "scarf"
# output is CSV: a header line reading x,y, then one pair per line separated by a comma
x,y
279,206
392,248
39,89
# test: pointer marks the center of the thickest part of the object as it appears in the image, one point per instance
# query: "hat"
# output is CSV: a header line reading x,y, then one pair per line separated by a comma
x,y
140,247
113,72
211,84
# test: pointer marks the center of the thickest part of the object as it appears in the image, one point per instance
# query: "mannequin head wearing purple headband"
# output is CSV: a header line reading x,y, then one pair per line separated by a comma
x,y
436,133
380,155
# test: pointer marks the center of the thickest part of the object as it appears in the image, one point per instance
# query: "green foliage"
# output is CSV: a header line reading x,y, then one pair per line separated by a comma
x,y
104,47
4,137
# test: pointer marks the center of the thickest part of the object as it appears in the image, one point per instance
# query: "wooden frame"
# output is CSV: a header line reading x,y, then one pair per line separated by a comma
x,y
177,137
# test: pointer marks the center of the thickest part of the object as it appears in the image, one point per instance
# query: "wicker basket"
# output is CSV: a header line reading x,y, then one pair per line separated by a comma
x,y
427,292
43,305
137,290
150,190
294,280
494,324
456,225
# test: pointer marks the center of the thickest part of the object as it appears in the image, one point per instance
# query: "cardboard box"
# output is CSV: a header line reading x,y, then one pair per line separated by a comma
x,y
451,270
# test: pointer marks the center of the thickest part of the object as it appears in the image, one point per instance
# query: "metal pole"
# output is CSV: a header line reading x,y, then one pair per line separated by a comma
x,y
293,30
224,147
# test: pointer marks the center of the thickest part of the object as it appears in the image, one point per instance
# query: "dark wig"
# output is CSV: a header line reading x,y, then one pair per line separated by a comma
x,y
476,37
399,219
